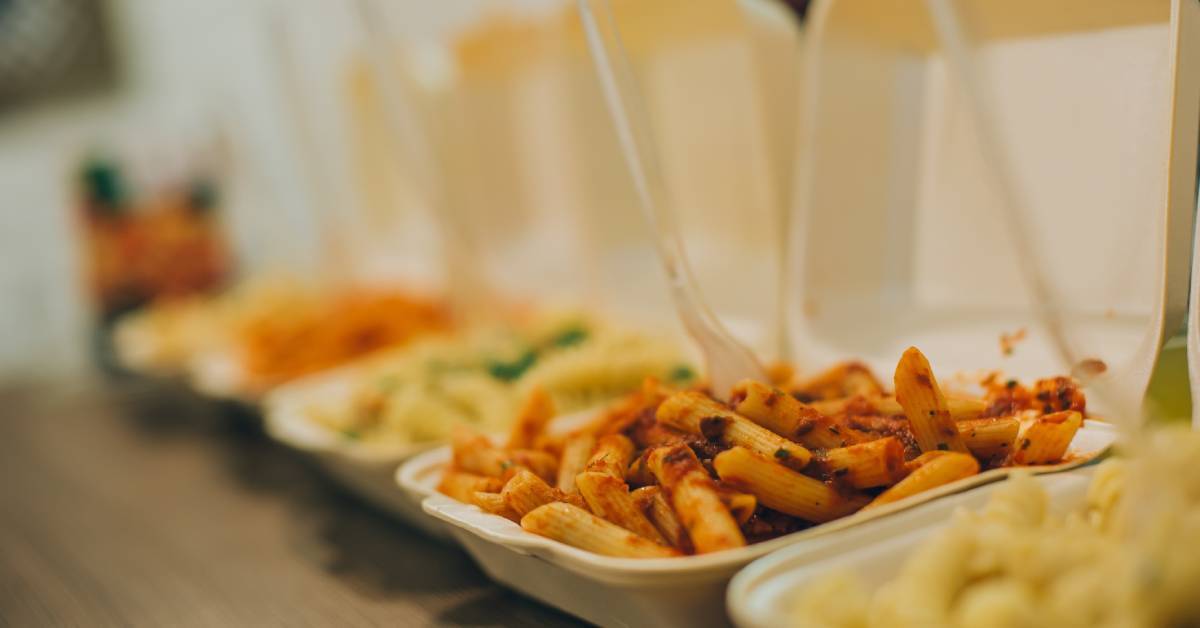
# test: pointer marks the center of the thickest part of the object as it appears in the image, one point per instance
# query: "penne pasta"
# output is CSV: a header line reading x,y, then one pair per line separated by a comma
x,y
783,489
696,413
542,464
989,439
462,485
654,503
626,412
577,527
609,498
644,496
535,413
740,505
693,495
667,472
495,504
612,455
575,454
924,405
475,453
780,373
783,414
1045,439
639,471
961,408
932,469
866,465
844,380
526,491
664,518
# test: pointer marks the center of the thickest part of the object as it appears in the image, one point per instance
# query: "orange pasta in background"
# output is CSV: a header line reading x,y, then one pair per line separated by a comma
x,y
334,331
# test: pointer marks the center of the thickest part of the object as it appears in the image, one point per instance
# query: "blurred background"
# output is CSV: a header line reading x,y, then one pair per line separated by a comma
x,y
151,148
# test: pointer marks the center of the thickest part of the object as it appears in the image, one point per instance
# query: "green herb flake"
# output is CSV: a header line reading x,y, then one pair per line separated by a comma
x,y
351,433
570,337
682,373
782,454
514,369
943,447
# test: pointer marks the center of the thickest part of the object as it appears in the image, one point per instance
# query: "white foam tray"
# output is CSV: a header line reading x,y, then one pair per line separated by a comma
x,y
367,470
684,591
763,594
217,373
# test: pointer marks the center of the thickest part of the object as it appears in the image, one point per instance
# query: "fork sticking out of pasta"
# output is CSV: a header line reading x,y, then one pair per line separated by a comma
x,y
670,472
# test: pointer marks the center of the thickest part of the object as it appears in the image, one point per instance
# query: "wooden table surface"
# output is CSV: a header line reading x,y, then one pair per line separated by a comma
x,y
132,504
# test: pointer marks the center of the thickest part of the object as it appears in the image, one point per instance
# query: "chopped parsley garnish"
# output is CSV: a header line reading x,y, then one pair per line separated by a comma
x,y
782,454
569,337
513,369
351,433
682,373
943,447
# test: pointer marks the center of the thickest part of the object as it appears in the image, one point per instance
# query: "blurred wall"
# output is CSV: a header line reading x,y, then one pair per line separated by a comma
x,y
179,59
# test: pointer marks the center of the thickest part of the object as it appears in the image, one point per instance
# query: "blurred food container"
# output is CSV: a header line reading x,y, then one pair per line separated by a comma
x,y
365,419
765,593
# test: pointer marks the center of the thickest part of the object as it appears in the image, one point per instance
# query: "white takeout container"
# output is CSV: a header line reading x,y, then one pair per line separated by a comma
x,y
365,469
899,237
683,591
764,593
218,373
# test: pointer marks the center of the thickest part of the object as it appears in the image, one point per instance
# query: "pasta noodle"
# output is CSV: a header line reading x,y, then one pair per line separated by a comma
x,y
575,454
924,405
937,468
1046,438
783,414
574,526
612,455
782,489
693,495
696,413
875,463
609,498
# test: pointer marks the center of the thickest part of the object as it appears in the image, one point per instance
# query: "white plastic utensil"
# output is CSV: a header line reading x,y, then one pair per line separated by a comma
x,y
727,360
960,50
407,123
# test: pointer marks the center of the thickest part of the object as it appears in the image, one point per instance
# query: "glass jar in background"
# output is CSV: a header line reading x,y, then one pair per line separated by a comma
x,y
150,217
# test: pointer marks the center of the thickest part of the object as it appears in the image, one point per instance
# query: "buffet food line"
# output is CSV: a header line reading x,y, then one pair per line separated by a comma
x,y
915,463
